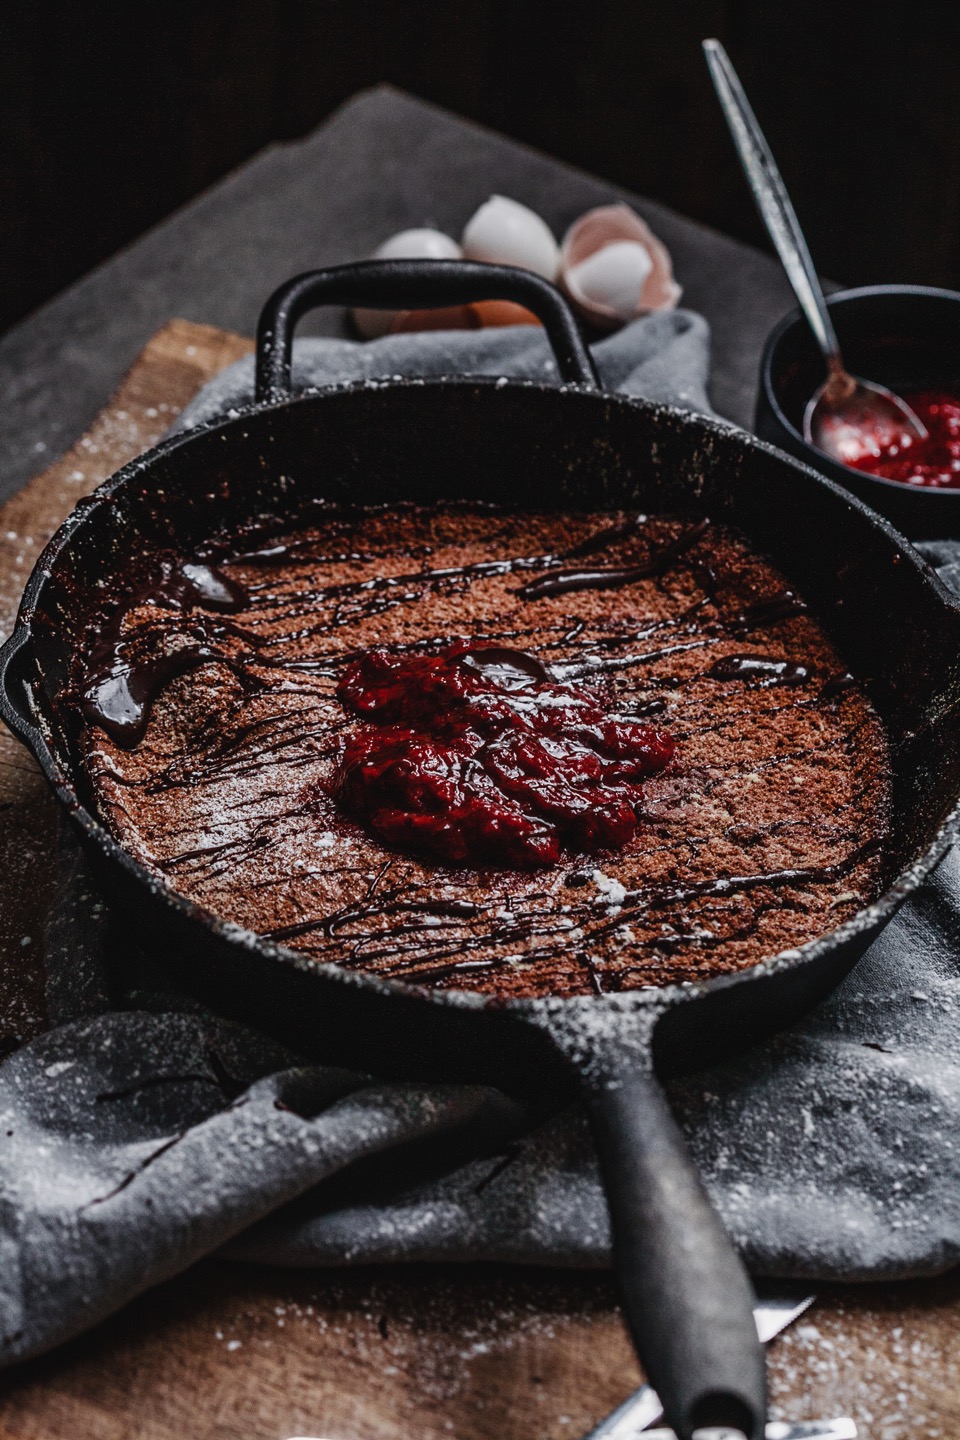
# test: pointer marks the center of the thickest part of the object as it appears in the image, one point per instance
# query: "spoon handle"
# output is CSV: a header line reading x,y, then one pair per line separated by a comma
x,y
772,199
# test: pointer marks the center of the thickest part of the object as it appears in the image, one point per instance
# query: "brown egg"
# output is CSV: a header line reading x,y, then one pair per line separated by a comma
x,y
503,312
452,317
614,268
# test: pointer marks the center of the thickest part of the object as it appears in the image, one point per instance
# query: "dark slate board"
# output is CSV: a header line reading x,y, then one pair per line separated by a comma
x,y
383,162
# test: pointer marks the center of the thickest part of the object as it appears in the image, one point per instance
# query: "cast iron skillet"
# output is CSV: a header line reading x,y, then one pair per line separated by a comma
x,y
686,1295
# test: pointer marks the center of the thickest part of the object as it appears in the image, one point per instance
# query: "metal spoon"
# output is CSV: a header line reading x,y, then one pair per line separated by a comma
x,y
849,419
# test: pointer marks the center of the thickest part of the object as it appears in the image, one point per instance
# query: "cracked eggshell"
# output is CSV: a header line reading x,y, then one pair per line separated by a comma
x,y
421,243
504,232
605,274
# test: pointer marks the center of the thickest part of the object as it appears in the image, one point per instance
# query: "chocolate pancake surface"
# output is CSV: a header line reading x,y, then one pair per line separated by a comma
x,y
214,736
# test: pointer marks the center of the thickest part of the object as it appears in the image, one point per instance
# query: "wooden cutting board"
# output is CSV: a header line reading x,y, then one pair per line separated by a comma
x,y
232,1352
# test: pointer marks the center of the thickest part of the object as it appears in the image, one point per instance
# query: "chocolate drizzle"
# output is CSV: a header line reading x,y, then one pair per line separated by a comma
x,y
122,681
207,586
565,582
759,668
767,610
769,832
509,669
837,685
119,697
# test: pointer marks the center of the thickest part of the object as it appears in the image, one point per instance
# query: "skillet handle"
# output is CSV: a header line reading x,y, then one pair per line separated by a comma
x,y
686,1296
414,285
16,709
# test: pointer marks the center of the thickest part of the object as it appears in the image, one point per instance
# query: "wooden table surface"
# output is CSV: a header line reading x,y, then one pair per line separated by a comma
x,y
385,1353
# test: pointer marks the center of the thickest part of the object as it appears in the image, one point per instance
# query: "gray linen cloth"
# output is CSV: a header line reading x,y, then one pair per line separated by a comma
x,y
143,1133
661,357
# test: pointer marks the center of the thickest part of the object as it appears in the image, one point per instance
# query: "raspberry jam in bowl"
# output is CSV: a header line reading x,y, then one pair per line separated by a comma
x,y
907,338
933,462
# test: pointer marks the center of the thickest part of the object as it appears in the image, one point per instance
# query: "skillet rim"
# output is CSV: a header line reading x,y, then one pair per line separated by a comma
x,y
865,923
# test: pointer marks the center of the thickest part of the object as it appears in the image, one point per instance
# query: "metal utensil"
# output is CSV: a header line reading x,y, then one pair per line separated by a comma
x,y
630,1421
771,1315
840,1429
848,418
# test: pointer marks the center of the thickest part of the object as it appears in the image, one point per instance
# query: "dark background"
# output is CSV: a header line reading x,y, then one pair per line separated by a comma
x,y
111,115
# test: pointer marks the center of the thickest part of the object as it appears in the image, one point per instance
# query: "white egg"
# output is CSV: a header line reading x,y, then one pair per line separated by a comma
x,y
504,232
421,243
613,277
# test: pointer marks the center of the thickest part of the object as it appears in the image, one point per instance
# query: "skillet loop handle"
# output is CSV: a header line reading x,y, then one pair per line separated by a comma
x,y
16,707
414,285
686,1296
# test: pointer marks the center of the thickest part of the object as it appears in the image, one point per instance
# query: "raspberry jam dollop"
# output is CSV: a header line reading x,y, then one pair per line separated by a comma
x,y
934,462
479,756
